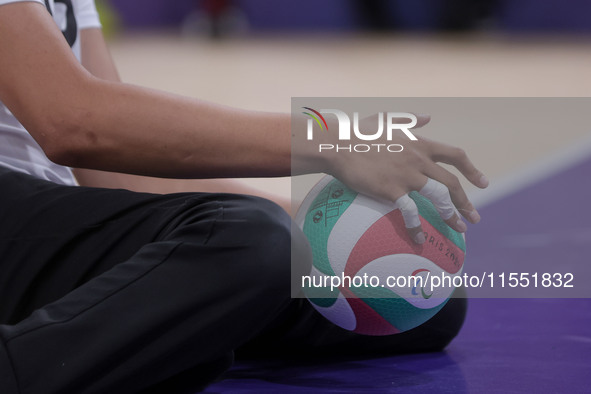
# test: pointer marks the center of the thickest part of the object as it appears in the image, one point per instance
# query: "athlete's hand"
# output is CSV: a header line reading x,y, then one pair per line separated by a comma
x,y
391,176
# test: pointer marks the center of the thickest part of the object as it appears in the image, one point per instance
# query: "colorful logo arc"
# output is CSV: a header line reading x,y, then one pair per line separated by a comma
x,y
414,289
316,116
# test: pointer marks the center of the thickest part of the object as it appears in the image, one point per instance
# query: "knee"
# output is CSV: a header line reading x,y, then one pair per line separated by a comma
x,y
252,240
273,247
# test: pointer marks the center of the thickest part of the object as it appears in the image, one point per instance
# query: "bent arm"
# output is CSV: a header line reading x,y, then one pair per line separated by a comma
x,y
84,121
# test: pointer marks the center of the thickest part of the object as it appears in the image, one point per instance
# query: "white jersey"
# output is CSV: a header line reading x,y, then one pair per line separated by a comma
x,y
18,150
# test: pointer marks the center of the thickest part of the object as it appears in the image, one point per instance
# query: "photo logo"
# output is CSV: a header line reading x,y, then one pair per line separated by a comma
x,y
315,116
387,124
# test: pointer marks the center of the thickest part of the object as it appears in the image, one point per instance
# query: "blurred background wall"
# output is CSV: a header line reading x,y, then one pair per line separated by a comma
x,y
347,15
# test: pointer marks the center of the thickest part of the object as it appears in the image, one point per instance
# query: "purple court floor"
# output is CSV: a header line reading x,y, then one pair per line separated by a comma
x,y
506,345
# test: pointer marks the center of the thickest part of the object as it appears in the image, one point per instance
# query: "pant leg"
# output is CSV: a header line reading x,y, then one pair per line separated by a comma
x,y
302,331
172,284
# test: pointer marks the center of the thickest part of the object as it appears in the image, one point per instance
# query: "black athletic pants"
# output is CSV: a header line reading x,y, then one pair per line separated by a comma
x,y
111,291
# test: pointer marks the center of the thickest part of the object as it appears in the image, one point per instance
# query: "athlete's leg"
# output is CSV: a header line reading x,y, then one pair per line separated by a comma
x,y
140,287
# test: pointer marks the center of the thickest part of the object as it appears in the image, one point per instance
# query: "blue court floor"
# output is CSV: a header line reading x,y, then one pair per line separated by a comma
x,y
507,345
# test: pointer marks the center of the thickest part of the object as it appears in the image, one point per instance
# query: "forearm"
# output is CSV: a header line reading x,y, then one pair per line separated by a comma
x,y
98,61
130,129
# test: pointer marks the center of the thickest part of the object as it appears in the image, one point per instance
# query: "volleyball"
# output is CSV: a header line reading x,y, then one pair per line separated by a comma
x,y
368,276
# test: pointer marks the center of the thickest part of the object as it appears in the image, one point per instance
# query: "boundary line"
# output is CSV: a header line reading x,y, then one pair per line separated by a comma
x,y
533,173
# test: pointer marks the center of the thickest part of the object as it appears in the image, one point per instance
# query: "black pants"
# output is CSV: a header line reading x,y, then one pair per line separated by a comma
x,y
111,291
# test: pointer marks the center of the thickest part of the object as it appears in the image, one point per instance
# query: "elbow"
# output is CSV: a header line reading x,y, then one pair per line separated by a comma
x,y
60,139
63,119
61,153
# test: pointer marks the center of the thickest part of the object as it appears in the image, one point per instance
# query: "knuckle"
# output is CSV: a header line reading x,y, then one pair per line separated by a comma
x,y
453,183
452,220
416,159
408,206
460,153
462,201
396,195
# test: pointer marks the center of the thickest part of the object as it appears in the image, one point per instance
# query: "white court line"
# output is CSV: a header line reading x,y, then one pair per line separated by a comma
x,y
534,172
